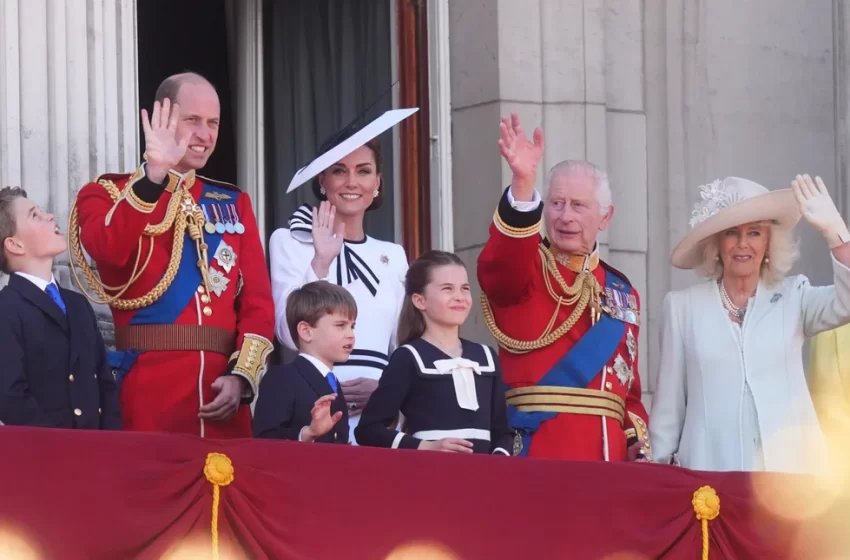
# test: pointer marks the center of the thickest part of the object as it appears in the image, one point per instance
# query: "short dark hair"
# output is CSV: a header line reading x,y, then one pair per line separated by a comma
x,y
374,144
8,227
170,86
314,300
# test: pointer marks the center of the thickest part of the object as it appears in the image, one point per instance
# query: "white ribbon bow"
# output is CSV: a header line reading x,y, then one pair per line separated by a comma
x,y
463,374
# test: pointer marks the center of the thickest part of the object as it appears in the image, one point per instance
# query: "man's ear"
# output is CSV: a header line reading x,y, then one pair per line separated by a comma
x,y
13,246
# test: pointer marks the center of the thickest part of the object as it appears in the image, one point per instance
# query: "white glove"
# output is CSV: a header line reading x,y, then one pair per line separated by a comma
x,y
819,210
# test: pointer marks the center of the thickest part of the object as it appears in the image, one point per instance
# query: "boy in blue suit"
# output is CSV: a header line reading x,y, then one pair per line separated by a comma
x,y
53,368
303,401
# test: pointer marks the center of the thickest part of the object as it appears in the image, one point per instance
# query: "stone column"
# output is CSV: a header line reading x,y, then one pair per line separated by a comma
x,y
68,99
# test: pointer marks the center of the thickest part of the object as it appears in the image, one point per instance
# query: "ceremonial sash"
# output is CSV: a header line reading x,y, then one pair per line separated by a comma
x,y
576,368
169,306
166,309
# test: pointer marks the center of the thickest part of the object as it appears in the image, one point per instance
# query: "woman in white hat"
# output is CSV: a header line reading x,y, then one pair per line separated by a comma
x,y
731,391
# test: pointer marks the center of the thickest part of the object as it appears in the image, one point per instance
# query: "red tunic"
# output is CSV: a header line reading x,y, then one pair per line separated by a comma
x,y
522,308
164,389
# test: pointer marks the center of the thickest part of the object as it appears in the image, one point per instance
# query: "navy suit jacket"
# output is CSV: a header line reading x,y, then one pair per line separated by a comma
x,y
286,399
53,368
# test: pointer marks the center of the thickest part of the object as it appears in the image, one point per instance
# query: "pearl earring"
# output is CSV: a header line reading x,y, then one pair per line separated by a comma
x,y
717,258
377,192
766,259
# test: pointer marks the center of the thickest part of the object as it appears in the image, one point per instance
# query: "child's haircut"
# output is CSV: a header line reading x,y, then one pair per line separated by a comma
x,y
411,322
312,301
8,196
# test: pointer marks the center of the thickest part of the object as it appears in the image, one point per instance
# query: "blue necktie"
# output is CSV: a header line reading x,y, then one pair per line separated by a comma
x,y
53,292
333,382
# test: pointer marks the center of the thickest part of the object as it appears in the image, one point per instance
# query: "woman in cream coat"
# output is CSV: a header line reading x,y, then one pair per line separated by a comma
x,y
732,393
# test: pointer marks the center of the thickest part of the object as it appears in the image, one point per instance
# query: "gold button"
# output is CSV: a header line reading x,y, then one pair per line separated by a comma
x,y
78,412
71,378
205,298
608,385
201,289
207,311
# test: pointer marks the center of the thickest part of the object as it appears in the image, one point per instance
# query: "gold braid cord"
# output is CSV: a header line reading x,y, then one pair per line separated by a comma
x,y
182,214
585,291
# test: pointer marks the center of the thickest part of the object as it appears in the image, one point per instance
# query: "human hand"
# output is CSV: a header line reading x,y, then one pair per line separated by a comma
x,y
163,150
327,239
357,393
636,452
225,404
819,210
322,421
522,156
450,445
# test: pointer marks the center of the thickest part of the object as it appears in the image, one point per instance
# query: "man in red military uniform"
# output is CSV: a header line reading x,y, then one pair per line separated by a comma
x,y
183,270
566,322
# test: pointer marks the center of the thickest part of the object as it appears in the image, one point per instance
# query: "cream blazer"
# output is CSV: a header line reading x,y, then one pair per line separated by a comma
x,y
699,407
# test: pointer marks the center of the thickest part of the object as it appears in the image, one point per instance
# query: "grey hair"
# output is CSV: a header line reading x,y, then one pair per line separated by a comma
x,y
782,252
587,169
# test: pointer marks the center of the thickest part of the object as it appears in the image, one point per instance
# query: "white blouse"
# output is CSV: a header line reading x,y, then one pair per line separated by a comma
x,y
732,398
371,270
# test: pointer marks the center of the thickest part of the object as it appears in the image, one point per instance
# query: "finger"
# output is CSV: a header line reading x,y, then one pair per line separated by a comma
x,y
517,126
325,399
157,110
173,117
352,383
217,404
504,136
183,144
219,416
457,448
165,114
336,417
503,148
459,441
538,138
146,123
340,230
821,186
315,218
808,187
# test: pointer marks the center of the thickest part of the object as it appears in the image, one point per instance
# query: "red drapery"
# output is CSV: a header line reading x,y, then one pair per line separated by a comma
x,y
99,495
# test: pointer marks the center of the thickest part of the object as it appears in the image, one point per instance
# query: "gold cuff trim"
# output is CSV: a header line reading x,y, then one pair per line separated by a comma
x,y
515,232
642,432
631,433
252,359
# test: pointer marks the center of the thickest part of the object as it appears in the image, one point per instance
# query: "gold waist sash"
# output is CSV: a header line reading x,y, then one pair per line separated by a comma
x,y
567,400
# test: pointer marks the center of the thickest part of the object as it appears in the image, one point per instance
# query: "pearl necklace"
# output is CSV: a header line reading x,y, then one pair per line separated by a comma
x,y
736,312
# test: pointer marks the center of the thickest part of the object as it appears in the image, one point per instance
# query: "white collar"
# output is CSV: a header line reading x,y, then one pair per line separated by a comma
x,y
317,363
41,283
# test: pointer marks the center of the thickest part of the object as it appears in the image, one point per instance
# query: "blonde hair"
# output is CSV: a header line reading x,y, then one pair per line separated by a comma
x,y
780,256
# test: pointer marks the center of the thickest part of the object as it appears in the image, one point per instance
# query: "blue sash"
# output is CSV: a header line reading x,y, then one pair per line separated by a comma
x,y
577,368
166,309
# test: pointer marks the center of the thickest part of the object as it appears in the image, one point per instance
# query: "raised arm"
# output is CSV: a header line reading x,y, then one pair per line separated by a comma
x,y
667,418
826,307
506,265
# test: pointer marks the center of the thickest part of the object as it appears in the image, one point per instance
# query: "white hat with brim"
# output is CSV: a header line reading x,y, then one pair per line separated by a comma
x,y
730,203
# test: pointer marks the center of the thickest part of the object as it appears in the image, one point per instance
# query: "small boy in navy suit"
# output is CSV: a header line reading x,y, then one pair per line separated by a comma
x,y
53,367
303,401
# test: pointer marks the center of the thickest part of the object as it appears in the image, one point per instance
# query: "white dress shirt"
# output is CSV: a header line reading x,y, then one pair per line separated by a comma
x,y
41,283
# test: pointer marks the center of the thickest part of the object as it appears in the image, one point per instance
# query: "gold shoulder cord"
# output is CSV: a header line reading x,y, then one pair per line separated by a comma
x,y
586,290
182,213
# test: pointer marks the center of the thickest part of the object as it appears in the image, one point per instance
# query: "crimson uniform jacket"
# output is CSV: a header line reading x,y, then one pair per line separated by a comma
x,y
590,420
178,329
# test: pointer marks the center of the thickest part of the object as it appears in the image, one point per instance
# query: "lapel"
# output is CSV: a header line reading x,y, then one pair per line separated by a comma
x,y
40,299
76,311
313,378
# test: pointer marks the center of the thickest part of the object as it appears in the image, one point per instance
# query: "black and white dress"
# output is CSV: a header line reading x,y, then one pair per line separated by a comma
x,y
440,397
371,270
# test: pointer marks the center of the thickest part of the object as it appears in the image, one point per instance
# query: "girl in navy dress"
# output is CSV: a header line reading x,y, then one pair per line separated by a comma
x,y
449,390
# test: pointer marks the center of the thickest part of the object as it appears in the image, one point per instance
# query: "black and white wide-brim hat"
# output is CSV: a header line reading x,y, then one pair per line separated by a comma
x,y
730,203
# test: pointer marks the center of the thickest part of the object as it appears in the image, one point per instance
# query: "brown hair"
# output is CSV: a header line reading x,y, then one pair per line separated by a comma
x,y
314,300
170,86
411,322
375,145
8,196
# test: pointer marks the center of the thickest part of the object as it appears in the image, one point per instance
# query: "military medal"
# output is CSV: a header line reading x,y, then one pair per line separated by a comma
x,y
219,224
209,227
240,227
623,371
631,344
218,282
225,256
228,225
